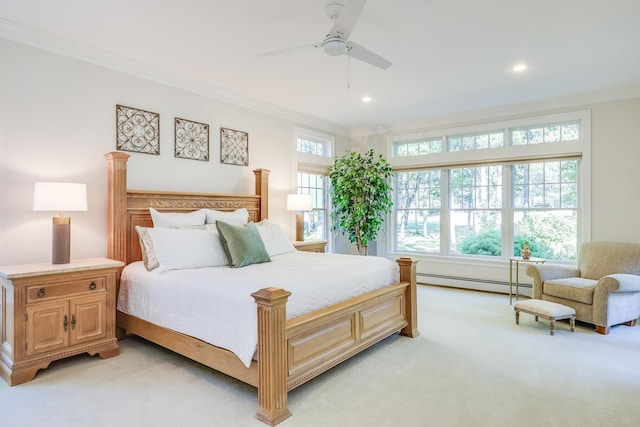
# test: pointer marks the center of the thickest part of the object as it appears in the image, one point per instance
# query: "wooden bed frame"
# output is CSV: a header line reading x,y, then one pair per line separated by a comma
x,y
290,352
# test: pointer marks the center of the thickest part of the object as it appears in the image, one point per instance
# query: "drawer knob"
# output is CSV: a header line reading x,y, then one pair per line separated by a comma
x,y
42,292
92,286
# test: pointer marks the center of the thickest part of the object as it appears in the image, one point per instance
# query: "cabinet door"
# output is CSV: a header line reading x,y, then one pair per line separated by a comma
x,y
47,327
88,318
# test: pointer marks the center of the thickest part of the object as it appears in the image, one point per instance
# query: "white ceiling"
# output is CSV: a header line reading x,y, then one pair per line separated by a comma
x,y
449,56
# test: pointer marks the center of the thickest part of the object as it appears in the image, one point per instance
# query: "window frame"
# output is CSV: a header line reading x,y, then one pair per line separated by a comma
x,y
318,165
508,155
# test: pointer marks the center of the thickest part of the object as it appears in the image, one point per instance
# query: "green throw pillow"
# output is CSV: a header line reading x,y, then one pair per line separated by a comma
x,y
242,243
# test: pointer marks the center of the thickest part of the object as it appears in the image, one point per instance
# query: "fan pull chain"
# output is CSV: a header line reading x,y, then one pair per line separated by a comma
x,y
348,69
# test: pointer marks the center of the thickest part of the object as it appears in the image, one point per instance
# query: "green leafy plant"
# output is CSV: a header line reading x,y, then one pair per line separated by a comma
x,y
361,196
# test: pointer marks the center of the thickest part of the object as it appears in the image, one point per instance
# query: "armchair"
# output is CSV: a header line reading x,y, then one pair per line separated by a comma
x,y
603,288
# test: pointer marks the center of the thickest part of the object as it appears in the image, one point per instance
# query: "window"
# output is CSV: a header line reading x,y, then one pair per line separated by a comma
x,y
484,196
314,152
315,221
476,210
317,146
418,147
417,207
543,134
545,208
478,141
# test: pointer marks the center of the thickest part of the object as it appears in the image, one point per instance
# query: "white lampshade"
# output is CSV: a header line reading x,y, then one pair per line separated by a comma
x,y
299,202
59,196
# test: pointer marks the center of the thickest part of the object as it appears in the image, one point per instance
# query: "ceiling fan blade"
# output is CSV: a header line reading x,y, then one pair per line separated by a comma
x,y
365,55
289,49
345,22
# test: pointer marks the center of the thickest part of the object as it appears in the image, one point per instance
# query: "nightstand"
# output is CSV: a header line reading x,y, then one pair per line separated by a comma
x,y
310,245
53,311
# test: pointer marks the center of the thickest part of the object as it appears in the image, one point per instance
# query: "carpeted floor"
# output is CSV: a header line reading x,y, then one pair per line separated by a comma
x,y
472,366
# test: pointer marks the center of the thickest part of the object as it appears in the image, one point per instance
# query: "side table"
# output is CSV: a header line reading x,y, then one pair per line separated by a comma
x,y
310,245
517,260
53,311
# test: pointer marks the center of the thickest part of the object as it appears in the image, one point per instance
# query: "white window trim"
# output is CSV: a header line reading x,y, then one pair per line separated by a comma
x,y
312,158
507,154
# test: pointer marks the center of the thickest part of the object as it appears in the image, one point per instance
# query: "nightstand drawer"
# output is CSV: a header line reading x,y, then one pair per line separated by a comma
x,y
45,292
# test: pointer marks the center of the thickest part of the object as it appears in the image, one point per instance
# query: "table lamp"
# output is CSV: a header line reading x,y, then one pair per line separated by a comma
x,y
299,203
60,196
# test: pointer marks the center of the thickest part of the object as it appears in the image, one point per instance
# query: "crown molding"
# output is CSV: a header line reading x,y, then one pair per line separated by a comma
x,y
578,101
52,43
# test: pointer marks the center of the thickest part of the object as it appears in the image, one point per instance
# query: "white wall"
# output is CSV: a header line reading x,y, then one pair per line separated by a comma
x,y
57,120
615,176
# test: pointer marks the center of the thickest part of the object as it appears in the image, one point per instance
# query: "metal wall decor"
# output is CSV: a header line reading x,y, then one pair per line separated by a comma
x,y
137,130
234,147
192,140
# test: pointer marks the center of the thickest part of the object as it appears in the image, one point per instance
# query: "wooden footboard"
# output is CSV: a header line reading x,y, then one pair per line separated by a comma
x,y
292,352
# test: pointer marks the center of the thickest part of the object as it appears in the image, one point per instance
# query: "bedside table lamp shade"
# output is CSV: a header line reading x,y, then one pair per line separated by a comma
x,y
61,197
299,203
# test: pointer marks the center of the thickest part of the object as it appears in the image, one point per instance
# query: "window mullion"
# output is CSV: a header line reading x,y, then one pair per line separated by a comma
x,y
445,212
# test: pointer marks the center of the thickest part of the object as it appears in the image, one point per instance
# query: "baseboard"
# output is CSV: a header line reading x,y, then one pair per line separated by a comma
x,y
471,283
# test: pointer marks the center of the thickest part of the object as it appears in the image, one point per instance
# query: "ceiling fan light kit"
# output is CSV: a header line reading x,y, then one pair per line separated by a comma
x,y
334,46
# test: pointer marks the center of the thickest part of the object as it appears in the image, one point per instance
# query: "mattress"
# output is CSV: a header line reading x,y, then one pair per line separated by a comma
x,y
214,304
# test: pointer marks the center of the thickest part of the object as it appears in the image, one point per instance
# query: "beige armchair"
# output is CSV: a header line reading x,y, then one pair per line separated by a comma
x,y
603,288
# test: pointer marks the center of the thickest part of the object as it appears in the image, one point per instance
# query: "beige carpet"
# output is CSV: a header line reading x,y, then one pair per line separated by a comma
x,y
472,366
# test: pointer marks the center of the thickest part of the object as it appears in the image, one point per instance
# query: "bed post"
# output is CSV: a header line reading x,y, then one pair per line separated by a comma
x,y
116,206
408,274
272,355
262,190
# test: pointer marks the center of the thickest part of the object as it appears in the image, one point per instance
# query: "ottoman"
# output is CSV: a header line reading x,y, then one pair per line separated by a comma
x,y
547,310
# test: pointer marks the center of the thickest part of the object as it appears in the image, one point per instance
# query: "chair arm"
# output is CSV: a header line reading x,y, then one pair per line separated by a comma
x,y
611,284
543,272
619,283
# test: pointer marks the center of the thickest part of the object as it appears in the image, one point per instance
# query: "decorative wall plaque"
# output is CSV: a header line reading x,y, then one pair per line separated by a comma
x,y
234,147
137,130
192,140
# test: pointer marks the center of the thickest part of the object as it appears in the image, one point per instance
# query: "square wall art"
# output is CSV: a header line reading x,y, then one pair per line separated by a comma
x,y
234,147
192,140
137,130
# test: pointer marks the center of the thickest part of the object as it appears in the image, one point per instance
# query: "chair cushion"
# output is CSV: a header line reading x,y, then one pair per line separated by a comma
x,y
574,289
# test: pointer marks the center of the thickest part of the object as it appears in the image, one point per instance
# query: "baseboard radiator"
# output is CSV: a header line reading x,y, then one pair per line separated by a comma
x,y
471,283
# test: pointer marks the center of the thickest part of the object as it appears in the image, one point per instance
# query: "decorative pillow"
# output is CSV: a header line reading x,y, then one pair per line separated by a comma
x,y
178,248
237,217
175,219
242,243
274,239
146,247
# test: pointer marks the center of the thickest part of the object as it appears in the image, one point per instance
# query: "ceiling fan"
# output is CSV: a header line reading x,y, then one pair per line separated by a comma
x,y
344,16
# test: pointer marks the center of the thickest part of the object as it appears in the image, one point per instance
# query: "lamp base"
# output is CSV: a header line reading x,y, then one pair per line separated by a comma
x,y
61,240
299,227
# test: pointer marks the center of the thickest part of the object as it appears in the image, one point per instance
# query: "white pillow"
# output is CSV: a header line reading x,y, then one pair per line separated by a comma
x,y
175,219
146,247
237,217
274,238
178,248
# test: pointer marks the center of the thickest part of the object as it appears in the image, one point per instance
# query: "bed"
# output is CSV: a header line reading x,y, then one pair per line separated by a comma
x,y
289,351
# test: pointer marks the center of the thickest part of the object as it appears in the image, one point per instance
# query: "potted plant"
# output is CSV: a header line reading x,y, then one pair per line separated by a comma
x,y
361,196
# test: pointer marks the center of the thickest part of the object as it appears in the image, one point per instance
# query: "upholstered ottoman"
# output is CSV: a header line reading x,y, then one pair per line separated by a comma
x,y
547,310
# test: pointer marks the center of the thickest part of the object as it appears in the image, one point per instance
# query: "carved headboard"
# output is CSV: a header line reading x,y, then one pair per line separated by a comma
x,y
128,208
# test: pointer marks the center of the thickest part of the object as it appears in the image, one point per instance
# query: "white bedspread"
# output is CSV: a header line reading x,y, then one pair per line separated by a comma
x,y
215,304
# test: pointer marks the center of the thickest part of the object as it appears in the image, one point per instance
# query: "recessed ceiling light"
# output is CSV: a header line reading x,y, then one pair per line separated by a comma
x,y
366,99
520,68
